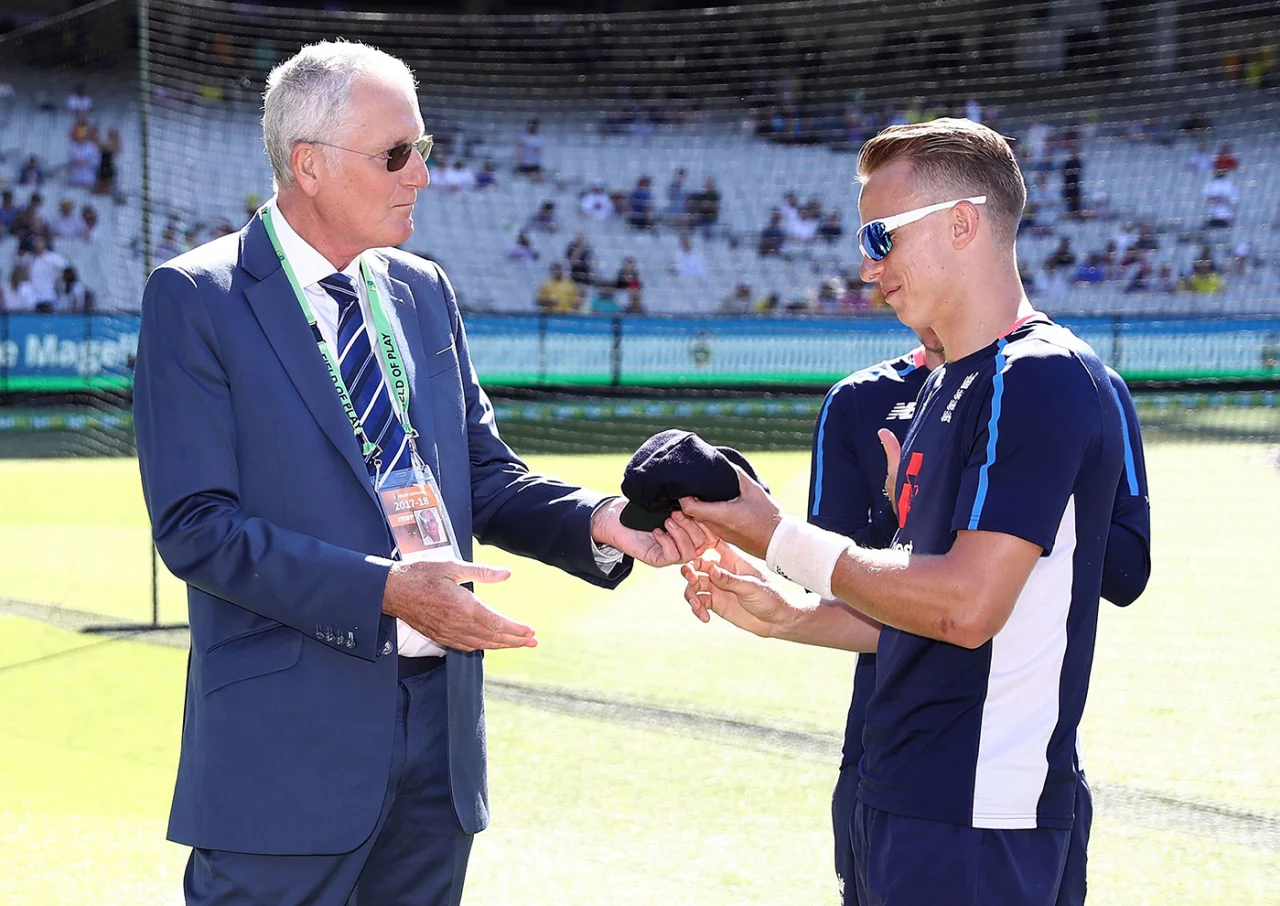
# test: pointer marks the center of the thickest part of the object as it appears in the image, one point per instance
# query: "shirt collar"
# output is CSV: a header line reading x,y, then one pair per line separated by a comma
x,y
309,266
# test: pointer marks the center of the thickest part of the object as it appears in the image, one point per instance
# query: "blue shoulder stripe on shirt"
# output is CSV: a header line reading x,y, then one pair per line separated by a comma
x,y
822,431
993,431
1129,468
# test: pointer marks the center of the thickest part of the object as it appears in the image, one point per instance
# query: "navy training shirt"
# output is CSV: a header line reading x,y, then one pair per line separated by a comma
x,y
1128,561
846,481
1024,437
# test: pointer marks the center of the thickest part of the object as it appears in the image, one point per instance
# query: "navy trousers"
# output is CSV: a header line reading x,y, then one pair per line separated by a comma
x,y
904,861
417,853
843,800
1075,878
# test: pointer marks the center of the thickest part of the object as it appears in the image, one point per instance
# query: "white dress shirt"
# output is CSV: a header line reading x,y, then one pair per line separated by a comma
x,y
310,267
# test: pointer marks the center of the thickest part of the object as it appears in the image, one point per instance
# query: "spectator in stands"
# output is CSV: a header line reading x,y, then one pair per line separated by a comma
x,y
1241,258
19,294
543,220
677,212
830,300
1072,174
1201,159
558,295
1092,270
1041,213
72,294
831,230
773,238
67,223
1220,200
1125,238
82,129
523,250
688,261
737,302
457,178
90,217
488,175
604,299
789,208
628,283
803,227
79,102
582,260
1037,146
704,208
1138,273
45,267
30,220
1165,282
1226,161
104,180
9,212
31,174
529,152
1063,256
1032,281
1205,278
596,203
640,204
1147,241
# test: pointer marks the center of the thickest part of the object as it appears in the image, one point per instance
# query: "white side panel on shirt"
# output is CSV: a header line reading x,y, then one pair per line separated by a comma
x,y
1021,709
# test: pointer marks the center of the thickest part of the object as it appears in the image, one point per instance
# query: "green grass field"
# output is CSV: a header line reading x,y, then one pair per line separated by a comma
x,y
609,804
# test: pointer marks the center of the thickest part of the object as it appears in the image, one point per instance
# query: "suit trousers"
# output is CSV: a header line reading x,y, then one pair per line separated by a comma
x,y
417,853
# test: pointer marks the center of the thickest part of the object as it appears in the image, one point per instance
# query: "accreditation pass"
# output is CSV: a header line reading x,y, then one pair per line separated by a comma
x,y
416,513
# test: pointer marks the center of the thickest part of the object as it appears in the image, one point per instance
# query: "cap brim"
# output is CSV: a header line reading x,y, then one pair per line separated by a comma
x,y
634,516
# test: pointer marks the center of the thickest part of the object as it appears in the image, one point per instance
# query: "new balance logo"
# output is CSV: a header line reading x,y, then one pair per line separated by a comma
x,y
902,412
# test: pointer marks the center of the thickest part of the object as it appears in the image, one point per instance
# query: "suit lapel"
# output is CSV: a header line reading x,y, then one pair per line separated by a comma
x,y
278,312
399,306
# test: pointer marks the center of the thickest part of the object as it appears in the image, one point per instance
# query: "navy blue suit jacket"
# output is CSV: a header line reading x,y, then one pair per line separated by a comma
x,y
260,502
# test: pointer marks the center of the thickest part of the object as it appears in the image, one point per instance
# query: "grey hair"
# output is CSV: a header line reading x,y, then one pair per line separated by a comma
x,y
307,97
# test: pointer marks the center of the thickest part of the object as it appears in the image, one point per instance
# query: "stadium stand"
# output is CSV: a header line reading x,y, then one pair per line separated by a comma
x,y
208,169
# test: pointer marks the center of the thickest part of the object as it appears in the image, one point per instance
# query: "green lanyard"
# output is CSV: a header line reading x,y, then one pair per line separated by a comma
x,y
388,351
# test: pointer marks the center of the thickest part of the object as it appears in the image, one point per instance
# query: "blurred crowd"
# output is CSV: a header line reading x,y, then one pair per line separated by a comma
x,y
41,273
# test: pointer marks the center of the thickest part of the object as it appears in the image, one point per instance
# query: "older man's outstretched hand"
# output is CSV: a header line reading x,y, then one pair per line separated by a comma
x,y
429,597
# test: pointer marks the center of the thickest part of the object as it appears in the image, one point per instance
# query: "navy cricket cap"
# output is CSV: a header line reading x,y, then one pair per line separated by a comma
x,y
674,464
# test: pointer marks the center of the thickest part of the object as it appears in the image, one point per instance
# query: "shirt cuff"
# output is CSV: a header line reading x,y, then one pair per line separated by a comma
x,y
607,556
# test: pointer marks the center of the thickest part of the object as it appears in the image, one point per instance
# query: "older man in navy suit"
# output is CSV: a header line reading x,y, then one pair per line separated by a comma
x,y
333,744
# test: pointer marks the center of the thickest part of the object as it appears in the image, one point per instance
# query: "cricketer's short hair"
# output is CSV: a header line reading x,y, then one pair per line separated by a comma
x,y
955,158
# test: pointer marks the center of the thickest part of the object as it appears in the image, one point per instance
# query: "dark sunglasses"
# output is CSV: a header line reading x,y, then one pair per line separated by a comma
x,y
395,157
875,238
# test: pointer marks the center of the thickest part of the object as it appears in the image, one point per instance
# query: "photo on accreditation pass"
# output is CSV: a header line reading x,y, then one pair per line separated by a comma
x,y
416,518
429,527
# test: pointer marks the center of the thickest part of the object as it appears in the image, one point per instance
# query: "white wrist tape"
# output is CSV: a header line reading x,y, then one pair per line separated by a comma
x,y
805,554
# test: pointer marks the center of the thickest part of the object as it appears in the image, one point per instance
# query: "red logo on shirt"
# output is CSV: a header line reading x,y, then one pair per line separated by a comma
x,y
910,487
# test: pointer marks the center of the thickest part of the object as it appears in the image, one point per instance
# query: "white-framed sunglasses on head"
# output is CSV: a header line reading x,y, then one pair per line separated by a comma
x,y
875,238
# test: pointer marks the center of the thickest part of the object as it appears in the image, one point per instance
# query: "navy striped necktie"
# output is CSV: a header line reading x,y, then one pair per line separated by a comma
x,y
362,373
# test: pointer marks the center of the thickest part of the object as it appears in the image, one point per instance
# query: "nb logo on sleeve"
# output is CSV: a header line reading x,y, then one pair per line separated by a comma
x,y
902,412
